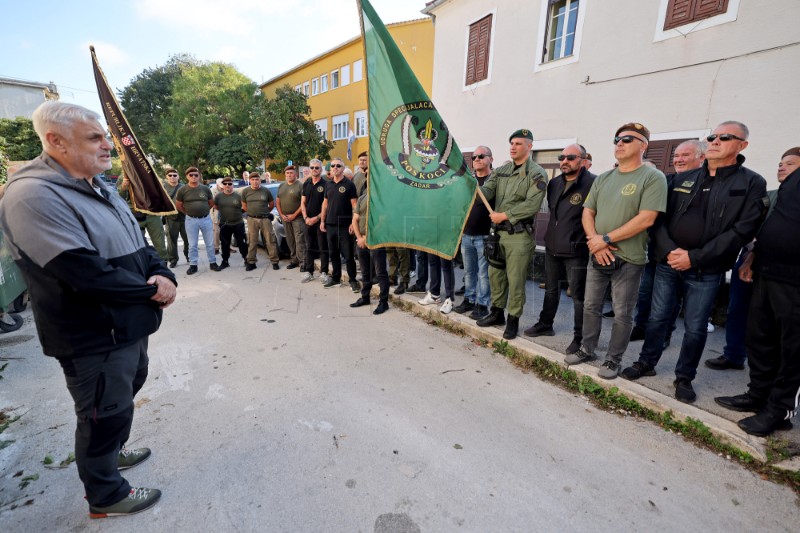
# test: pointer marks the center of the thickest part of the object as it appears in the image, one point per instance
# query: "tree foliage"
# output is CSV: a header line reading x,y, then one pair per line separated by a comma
x,y
3,162
234,152
148,96
281,130
22,143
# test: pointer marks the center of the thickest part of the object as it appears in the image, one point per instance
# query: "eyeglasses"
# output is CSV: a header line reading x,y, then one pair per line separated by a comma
x,y
315,168
724,137
337,166
570,157
172,175
194,174
480,156
627,139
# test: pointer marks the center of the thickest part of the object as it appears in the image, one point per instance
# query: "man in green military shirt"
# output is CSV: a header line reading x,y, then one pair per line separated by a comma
x,y
517,188
176,224
257,201
231,222
195,201
151,223
621,205
290,194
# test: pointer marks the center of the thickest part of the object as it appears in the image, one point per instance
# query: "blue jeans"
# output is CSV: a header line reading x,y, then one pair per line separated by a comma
x,y
476,270
698,291
195,226
736,324
644,304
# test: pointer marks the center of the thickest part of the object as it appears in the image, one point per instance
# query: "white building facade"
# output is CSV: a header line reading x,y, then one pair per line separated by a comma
x,y
19,98
575,70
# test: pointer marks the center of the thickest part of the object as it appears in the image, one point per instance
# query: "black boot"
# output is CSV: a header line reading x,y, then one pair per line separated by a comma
x,y
512,327
382,307
494,318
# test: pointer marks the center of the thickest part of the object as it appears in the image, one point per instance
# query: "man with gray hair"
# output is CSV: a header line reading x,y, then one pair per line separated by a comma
x,y
335,220
712,212
97,290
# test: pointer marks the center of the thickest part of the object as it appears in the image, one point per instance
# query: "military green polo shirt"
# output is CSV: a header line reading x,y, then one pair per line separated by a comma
x,y
361,211
290,196
195,200
257,201
230,209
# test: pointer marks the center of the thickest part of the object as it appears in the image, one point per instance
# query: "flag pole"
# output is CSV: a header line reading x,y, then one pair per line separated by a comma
x,y
485,201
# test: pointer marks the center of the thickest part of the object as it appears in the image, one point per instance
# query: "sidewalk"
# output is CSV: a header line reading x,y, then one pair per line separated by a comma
x,y
655,392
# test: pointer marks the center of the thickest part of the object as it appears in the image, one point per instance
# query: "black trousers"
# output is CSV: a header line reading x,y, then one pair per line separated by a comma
x,y
773,345
340,243
103,387
225,232
573,271
316,246
373,268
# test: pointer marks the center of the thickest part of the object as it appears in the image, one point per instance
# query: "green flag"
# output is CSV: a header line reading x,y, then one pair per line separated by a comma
x,y
420,190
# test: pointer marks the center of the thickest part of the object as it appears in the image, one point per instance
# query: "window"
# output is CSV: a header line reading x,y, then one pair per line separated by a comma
x,y
345,75
298,88
360,118
322,127
680,12
315,87
358,68
323,80
341,124
480,34
661,153
562,20
335,79
305,89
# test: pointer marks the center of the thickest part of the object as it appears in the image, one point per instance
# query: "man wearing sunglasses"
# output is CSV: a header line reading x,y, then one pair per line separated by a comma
x,y
566,252
231,223
258,202
316,240
713,211
336,218
518,189
621,205
195,201
176,224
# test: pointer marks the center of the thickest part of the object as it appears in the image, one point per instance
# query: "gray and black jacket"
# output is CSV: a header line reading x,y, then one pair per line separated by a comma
x,y
84,259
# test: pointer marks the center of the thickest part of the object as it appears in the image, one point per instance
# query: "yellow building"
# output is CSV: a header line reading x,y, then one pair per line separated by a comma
x,y
334,82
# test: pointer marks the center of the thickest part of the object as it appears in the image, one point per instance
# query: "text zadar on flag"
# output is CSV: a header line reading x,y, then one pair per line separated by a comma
x,y
420,190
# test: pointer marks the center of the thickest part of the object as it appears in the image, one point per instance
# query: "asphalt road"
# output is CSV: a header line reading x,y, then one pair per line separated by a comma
x,y
272,406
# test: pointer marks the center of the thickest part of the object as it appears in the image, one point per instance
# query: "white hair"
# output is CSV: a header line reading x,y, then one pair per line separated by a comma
x,y
59,116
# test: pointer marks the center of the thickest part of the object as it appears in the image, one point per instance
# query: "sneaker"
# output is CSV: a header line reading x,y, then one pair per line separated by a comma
x,y
324,277
711,328
464,306
579,357
540,330
355,287
429,299
416,289
684,391
214,267
191,270
292,265
137,500
330,283
130,458
308,276
250,266
637,370
574,346
224,265
609,370
276,266
741,402
447,306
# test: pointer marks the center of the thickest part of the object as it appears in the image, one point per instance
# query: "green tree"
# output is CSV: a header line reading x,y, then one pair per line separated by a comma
x,y
22,143
232,153
210,101
148,96
281,130
3,162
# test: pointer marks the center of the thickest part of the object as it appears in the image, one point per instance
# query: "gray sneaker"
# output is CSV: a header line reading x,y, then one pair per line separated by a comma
x,y
609,370
324,278
308,276
130,458
579,357
137,500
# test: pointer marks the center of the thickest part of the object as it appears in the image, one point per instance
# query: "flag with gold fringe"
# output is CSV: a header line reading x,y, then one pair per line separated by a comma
x,y
147,192
420,190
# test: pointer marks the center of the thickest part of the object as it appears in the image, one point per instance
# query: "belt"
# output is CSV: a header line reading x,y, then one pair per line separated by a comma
x,y
519,227
190,216
257,216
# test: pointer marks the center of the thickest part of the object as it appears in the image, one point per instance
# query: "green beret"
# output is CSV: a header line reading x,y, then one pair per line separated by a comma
x,y
634,127
521,134
792,151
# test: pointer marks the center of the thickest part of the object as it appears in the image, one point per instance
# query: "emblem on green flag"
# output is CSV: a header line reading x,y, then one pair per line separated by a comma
x,y
420,190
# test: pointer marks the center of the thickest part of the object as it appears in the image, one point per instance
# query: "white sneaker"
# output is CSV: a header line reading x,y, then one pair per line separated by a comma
x,y
711,327
447,306
430,299
324,278
307,276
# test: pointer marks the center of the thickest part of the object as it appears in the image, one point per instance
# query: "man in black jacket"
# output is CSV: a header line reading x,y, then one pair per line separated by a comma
x,y
712,212
97,292
773,338
566,251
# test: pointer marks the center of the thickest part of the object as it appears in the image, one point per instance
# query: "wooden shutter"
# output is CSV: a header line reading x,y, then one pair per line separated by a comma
x,y
480,35
661,153
680,12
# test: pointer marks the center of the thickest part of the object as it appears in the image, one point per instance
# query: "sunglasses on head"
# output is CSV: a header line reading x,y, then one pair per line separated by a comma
x,y
724,137
337,166
570,157
479,156
626,139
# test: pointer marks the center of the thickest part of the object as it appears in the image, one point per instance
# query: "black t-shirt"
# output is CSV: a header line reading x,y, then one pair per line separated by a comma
x,y
340,207
777,246
687,232
315,195
478,221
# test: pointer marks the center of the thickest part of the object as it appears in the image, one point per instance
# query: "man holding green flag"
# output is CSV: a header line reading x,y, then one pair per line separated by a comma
x,y
420,191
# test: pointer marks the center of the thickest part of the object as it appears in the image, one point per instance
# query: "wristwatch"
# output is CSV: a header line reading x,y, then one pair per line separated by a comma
x,y
607,239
